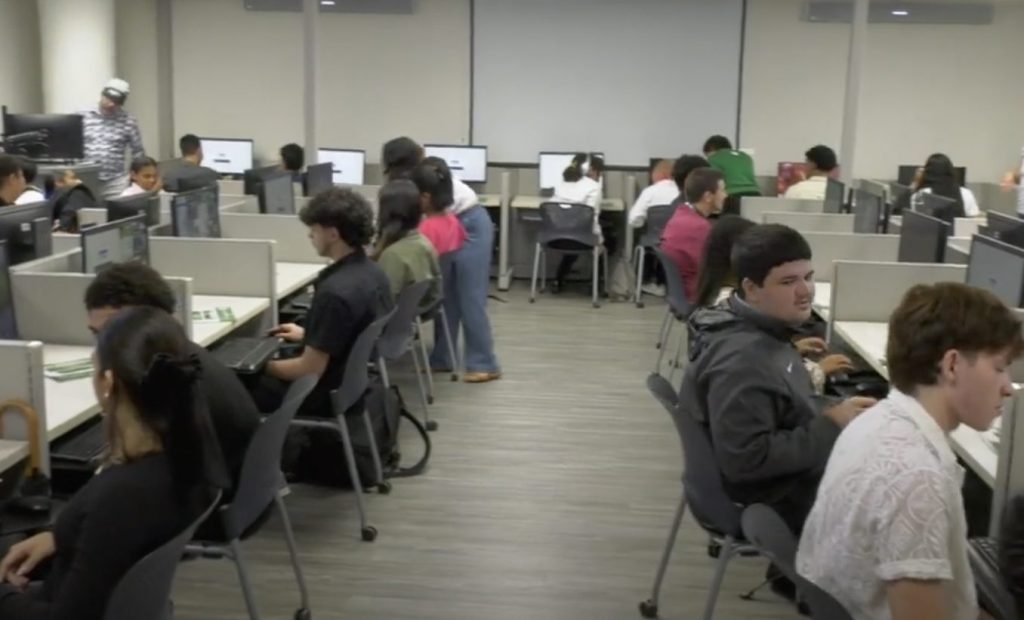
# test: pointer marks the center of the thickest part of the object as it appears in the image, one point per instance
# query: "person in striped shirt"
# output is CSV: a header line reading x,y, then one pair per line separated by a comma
x,y
108,132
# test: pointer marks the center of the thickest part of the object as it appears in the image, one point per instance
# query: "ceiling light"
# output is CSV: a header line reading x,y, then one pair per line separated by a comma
x,y
901,12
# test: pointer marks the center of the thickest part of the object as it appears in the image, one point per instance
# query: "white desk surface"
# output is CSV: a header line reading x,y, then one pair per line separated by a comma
x,y
534,202
293,276
68,403
822,298
869,340
11,452
962,244
490,200
245,309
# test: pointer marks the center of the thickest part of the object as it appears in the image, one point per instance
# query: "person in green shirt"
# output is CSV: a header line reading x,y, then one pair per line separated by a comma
x,y
738,169
405,255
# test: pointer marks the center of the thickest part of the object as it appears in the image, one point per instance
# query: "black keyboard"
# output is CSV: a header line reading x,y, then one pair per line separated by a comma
x,y
988,550
83,446
246,355
302,301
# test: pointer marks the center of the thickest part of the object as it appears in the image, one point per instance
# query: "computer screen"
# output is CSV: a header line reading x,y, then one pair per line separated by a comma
x,y
906,173
8,327
467,163
319,178
147,203
998,268
196,213
349,165
277,194
1006,228
551,165
116,242
922,238
60,136
227,155
28,230
867,213
835,191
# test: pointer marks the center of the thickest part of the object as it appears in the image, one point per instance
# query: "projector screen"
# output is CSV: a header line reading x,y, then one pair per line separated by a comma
x,y
633,78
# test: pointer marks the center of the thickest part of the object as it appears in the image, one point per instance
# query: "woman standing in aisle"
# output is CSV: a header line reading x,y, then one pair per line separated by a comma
x,y
466,274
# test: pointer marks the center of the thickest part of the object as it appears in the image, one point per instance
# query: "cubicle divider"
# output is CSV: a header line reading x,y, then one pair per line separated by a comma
x,y
91,217
22,379
869,291
231,187
958,250
238,203
811,222
754,207
287,231
967,226
232,267
827,248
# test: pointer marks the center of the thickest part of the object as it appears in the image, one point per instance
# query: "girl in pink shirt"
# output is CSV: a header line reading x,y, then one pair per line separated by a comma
x,y
439,224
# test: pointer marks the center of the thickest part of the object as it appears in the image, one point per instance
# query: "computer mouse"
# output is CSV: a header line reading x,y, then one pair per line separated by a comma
x,y
31,505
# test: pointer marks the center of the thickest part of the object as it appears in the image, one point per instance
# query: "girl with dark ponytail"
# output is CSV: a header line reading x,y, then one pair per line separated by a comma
x,y
439,225
152,483
405,255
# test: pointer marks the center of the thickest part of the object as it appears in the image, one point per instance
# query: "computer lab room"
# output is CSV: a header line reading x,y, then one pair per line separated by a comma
x,y
496,310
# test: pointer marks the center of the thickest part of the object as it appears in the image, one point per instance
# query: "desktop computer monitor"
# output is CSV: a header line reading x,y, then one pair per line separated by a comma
x,y
277,194
467,163
8,327
906,174
116,242
253,178
227,155
196,213
147,203
28,231
835,191
349,165
551,165
938,207
998,268
319,178
59,136
868,212
922,238
1006,228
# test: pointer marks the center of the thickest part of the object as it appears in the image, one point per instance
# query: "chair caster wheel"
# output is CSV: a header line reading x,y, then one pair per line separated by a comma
x,y
714,549
430,399
648,609
303,614
455,377
639,304
596,305
532,300
369,533
431,425
384,488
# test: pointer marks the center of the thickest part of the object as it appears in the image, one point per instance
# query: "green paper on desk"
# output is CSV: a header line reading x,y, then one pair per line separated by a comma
x,y
69,371
222,314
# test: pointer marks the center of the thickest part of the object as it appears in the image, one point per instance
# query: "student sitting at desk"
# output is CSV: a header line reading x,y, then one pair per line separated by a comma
x,y
144,176
293,158
12,180
938,176
152,485
576,188
684,236
70,195
887,536
738,169
405,255
232,411
747,385
32,193
189,167
662,191
820,162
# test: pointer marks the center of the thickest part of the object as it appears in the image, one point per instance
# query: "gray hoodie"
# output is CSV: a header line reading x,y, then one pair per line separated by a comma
x,y
747,384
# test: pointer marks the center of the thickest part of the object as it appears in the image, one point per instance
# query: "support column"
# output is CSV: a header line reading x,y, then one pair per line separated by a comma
x,y
165,81
858,34
77,41
310,54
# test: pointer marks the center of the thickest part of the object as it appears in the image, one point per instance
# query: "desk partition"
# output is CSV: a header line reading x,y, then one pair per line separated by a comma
x,y
827,248
290,235
869,291
754,207
811,222
22,379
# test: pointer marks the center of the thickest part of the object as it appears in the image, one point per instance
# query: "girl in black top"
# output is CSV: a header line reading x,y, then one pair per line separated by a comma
x,y
150,488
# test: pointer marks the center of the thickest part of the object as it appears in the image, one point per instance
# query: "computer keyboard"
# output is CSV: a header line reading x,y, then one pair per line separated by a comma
x,y
302,301
246,355
84,446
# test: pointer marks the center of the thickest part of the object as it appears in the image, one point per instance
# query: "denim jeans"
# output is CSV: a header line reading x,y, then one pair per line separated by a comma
x,y
467,280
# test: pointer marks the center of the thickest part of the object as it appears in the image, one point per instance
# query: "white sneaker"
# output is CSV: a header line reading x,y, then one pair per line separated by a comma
x,y
653,289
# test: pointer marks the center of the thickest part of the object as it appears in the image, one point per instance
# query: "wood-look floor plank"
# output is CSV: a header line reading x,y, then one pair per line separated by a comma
x,y
549,497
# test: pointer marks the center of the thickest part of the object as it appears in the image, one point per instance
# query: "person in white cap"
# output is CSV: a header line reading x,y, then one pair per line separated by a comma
x,y
109,131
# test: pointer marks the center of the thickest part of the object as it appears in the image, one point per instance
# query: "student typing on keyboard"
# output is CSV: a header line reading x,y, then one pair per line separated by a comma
x,y
887,536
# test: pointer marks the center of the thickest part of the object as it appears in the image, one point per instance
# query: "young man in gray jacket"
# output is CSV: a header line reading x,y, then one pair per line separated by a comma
x,y
747,384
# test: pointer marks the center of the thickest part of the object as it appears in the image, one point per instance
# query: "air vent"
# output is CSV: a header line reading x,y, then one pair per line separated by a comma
x,y
334,6
827,12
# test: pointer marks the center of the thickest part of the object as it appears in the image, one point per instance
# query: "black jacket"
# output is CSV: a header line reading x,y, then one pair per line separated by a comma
x,y
747,384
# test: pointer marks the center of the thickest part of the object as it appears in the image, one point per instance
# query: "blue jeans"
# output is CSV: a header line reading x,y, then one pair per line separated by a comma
x,y
467,281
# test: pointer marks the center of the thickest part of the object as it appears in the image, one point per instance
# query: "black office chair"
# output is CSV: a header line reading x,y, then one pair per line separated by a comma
x,y
399,336
679,308
353,385
766,531
569,228
657,217
435,312
703,493
145,590
260,486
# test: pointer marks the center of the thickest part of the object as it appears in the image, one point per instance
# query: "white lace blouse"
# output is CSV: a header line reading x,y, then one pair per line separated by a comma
x,y
889,507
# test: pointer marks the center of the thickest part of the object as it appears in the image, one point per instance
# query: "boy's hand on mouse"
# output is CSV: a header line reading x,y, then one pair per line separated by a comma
x,y
833,364
289,332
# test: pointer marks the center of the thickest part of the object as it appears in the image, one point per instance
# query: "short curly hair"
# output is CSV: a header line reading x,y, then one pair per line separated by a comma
x,y
129,284
344,210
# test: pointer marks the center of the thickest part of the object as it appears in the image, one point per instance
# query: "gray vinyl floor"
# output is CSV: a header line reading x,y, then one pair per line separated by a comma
x,y
549,496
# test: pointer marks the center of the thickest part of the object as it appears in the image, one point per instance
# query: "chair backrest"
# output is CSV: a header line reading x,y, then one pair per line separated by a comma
x,y
702,481
356,377
260,478
145,590
657,218
766,530
675,291
399,331
566,221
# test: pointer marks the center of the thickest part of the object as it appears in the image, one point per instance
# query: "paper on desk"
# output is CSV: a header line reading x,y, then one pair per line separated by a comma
x,y
218,315
69,371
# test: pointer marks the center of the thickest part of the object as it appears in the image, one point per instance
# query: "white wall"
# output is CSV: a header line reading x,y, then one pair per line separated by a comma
x,y
925,88
20,87
136,62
